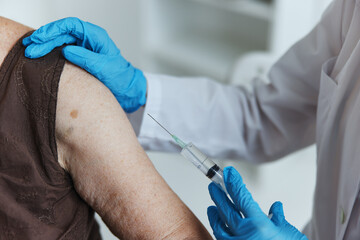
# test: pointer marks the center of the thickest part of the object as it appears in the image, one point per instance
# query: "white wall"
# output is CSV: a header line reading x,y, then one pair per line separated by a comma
x,y
119,17
31,13
293,20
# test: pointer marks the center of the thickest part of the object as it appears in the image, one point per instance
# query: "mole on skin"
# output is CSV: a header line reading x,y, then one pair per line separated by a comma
x,y
74,114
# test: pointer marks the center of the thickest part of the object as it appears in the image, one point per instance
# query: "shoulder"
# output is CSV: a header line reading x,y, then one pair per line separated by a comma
x,y
10,32
84,105
80,91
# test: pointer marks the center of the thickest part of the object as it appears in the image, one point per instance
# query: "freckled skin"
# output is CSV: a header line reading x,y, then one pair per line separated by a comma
x,y
74,114
10,32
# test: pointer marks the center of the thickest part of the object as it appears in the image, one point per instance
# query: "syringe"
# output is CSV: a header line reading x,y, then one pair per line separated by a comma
x,y
200,160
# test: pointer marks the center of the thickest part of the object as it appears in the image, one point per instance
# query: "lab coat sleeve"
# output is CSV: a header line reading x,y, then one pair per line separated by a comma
x,y
268,122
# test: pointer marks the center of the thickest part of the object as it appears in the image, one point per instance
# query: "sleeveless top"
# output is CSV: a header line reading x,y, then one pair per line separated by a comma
x,y
38,199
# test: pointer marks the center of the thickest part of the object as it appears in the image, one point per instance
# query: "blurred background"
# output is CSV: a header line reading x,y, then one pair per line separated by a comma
x,y
231,41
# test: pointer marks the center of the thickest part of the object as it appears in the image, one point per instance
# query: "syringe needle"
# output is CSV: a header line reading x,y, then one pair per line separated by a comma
x,y
176,139
200,160
160,125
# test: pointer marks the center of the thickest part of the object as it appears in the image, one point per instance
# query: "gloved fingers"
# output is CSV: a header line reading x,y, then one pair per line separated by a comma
x,y
240,194
86,59
220,230
66,26
98,40
35,50
277,211
279,218
88,35
228,212
27,41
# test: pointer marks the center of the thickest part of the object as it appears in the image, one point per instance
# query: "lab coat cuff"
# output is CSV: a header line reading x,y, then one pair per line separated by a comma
x,y
152,107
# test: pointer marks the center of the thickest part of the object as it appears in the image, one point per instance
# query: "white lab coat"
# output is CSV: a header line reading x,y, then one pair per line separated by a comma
x,y
313,97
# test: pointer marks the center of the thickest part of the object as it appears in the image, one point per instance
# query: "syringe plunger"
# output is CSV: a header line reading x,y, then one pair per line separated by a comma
x,y
204,164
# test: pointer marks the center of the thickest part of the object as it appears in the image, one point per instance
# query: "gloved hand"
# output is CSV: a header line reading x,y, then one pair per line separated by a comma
x,y
244,219
96,53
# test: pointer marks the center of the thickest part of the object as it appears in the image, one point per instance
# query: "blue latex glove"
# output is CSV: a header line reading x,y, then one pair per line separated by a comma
x,y
244,219
96,53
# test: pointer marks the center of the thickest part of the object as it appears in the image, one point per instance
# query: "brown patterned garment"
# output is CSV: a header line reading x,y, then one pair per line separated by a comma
x,y
37,197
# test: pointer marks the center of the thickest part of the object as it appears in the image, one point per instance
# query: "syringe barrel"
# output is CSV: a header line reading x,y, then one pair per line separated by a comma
x,y
200,160
204,164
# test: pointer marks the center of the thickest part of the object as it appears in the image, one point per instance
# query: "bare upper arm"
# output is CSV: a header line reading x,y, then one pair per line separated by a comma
x,y
110,170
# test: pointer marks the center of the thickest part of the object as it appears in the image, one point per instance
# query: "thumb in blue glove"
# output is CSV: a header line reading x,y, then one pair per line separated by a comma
x,y
243,218
278,218
96,53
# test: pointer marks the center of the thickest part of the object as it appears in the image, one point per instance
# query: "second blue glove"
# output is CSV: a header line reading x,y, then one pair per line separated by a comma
x,y
243,218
